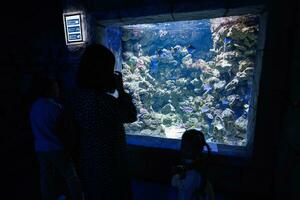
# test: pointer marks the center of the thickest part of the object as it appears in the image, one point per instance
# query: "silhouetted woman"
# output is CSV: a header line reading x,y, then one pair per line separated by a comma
x,y
100,115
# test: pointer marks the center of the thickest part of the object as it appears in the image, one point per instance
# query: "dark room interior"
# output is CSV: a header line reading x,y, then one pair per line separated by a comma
x,y
35,42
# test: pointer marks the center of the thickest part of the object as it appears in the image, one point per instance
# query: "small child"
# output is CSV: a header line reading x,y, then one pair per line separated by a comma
x,y
190,177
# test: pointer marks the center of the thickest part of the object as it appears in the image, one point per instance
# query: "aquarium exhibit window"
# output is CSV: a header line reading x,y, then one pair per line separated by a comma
x,y
73,27
200,74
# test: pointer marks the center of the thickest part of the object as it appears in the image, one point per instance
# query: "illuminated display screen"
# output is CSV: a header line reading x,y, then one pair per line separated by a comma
x,y
73,28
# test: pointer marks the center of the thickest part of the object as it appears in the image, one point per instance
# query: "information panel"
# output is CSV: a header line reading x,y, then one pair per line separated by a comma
x,y
73,28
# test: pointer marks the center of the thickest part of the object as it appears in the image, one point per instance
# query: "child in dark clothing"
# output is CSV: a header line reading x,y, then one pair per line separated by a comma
x,y
190,177
45,116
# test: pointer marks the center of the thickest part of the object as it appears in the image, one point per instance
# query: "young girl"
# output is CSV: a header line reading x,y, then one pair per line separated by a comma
x,y
190,177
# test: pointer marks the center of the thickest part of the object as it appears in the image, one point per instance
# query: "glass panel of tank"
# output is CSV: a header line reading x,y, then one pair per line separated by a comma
x,y
191,74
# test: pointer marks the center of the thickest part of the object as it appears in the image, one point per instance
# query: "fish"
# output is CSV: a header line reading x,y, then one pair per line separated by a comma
x,y
227,40
191,48
209,116
224,102
207,87
187,109
181,126
219,126
173,78
143,111
204,109
140,64
154,67
136,33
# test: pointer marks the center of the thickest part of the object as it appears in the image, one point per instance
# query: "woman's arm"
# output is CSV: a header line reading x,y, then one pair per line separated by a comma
x,y
120,109
127,109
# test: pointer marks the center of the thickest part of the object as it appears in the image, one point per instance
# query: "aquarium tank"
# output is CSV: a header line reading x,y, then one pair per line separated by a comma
x,y
189,74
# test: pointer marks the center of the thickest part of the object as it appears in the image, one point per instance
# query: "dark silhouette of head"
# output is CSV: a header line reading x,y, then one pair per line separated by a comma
x,y
46,87
192,144
96,70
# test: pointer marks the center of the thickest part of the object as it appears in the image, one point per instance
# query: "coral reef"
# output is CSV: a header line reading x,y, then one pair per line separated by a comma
x,y
197,75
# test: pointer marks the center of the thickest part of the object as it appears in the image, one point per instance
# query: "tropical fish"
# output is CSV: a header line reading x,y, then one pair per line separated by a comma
x,y
182,126
154,66
140,64
143,111
136,33
187,109
190,48
224,102
227,40
204,109
210,116
207,87
173,78
219,126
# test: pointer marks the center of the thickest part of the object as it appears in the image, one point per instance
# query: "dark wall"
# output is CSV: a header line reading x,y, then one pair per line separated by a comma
x,y
287,177
41,49
32,42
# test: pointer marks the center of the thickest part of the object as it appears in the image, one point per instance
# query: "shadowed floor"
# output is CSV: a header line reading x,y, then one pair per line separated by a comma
x,y
21,179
